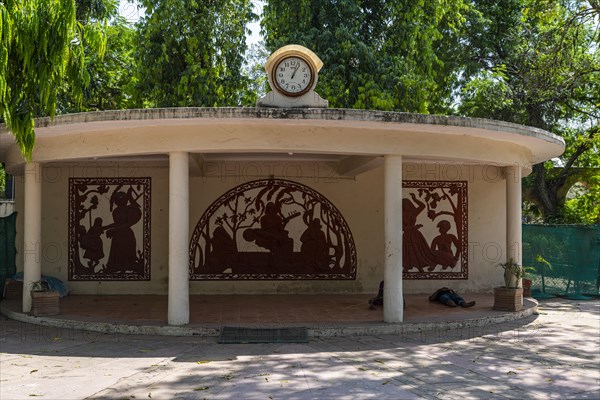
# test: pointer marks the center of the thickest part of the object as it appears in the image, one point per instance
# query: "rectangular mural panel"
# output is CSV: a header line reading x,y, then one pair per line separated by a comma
x,y
434,224
109,229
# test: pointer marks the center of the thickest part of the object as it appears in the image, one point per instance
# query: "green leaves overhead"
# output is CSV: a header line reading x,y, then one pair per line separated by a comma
x,y
41,43
537,63
106,80
35,38
378,54
191,53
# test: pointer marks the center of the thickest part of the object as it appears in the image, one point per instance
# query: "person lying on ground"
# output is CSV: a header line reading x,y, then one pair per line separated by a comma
x,y
450,298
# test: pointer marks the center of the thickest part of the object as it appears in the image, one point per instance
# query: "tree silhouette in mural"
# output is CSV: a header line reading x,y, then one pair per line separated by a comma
x,y
255,228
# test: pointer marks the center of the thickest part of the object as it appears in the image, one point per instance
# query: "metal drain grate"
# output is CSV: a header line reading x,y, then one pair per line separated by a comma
x,y
231,334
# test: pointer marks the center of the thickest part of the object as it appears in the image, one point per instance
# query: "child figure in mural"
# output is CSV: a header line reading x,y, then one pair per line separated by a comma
x,y
442,246
91,242
416,252
122,256
314,249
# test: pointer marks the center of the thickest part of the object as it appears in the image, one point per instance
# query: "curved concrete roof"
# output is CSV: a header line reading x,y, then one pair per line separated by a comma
x,y
272,131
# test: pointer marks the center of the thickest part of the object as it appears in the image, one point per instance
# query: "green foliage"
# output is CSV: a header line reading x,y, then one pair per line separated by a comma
x,y
537,63
35,37
254,69
476,95
377,54
41,44
512,273
191,53
585,208
109,83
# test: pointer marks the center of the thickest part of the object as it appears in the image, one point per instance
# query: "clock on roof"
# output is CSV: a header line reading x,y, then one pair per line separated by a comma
x,y
293,76
292,72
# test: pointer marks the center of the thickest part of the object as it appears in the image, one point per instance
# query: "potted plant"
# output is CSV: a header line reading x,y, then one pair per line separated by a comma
x,y
510,296
44,302
527,281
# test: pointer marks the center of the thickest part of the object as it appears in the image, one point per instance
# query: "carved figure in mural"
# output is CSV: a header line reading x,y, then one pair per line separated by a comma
x,y
92,243
223,249
416,252
272,234
315,249
441,246
122,256
272,229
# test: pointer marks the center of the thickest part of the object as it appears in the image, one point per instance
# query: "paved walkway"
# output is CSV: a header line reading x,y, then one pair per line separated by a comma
x,y
555,354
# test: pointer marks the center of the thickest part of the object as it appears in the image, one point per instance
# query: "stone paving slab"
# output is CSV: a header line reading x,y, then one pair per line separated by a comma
x,y
553,355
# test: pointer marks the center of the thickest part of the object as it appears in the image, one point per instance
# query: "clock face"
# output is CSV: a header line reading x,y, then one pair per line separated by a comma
x,y
293,76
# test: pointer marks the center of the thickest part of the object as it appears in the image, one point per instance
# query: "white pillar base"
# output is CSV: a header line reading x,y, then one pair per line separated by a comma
x,y
32,230
179,302
393,302
514,219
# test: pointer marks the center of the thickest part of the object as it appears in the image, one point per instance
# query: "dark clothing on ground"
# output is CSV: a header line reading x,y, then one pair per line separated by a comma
x,y
450,298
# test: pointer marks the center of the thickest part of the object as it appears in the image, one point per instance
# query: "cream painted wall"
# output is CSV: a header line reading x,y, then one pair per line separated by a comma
x,y
359,199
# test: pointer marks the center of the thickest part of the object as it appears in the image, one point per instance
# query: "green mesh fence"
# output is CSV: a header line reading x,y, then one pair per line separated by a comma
x,y
563,260
7,248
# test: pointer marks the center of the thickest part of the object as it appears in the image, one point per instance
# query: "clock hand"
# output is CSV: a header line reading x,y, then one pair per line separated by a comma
x,y
297,66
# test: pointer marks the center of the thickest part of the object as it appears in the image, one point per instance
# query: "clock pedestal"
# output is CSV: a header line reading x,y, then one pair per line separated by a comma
x,y
311,99
292,73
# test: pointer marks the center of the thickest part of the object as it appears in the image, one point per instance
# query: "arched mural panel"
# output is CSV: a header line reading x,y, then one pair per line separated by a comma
x,y
272,229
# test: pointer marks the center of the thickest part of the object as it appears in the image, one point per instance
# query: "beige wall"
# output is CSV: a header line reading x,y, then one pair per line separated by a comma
x,y
359,199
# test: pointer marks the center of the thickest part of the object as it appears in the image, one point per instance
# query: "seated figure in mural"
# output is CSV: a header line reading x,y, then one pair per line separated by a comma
x,y
441,246
450,298
91,242
315,249
122,256
272,234
416,252
222,250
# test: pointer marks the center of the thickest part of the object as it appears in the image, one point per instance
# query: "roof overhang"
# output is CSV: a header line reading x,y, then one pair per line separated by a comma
x,y
357,139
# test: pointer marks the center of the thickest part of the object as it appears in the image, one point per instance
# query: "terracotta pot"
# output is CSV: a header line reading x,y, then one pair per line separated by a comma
x,y
526,287
44,303
508,299
13,290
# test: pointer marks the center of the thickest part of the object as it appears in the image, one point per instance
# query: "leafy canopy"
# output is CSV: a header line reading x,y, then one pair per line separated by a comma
x,y
191,53
43,42
378,54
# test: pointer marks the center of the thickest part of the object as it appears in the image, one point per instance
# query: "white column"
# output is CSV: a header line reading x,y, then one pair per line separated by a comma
x,y
32,230
179,215
514,239
392,208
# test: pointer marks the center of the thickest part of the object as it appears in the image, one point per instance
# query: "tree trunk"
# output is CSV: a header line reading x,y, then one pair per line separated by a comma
x,y
546,193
